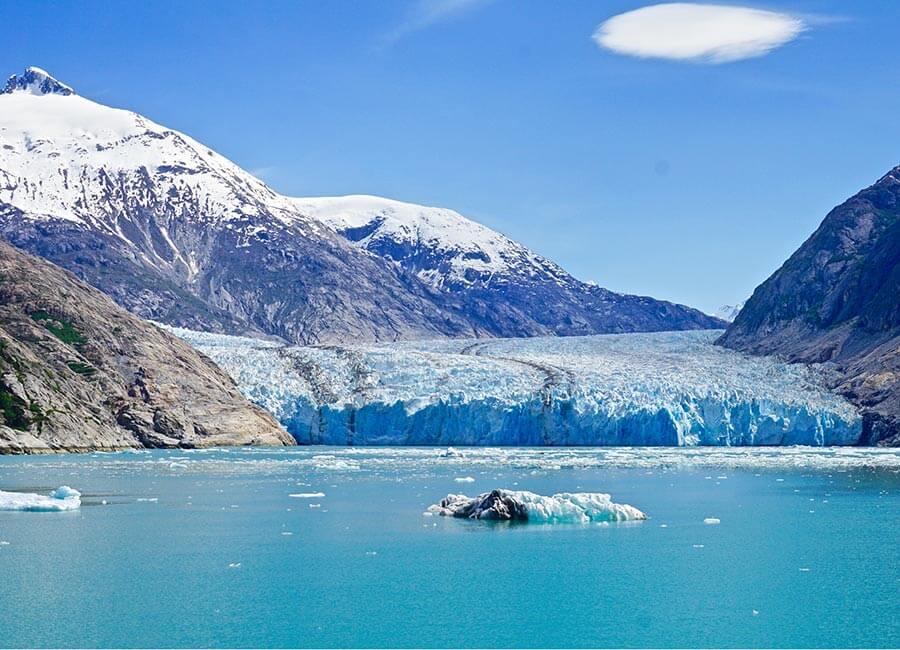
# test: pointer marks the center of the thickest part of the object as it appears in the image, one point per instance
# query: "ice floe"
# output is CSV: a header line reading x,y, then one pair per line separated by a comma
x,y
62,498
520,505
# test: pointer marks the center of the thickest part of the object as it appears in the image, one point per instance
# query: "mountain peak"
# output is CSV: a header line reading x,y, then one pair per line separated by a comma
x,y
36,82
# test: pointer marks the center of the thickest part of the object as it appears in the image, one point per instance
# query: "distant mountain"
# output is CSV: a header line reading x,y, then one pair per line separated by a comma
x,y
729,312
511,290
78,372
837,300
176,233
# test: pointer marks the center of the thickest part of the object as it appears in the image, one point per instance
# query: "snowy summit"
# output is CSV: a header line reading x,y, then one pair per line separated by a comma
x,y
36,82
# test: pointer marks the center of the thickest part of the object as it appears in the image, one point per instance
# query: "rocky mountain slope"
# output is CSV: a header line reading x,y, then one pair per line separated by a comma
x,y
176,233
837,300
78,372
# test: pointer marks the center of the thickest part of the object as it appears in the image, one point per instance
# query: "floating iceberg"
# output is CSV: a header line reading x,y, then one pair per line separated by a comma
x,y
512,505
659,389
62,498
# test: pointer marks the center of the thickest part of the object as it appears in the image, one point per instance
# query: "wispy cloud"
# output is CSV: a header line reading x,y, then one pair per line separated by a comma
x,y
684,31
423,14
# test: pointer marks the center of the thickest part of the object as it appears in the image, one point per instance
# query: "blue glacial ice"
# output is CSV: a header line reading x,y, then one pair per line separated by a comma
x,y
62,498
669,388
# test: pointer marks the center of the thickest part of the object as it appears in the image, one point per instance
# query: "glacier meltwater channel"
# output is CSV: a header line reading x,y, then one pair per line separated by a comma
x,y
669,388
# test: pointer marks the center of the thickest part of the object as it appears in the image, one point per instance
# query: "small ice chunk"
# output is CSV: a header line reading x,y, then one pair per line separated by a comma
x,y
464,479
62,498
307,495
712,521
234,565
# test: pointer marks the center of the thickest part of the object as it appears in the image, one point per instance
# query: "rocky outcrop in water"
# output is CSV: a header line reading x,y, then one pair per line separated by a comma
x,y
836,301
78,372
498,505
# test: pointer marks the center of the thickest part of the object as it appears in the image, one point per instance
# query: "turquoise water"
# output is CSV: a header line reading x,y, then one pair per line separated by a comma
x,y
190,549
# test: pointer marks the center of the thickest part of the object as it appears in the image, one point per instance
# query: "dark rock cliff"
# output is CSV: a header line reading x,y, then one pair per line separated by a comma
x,y
836,300
78,372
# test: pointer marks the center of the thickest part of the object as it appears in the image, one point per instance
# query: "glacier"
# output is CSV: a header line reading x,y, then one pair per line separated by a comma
x,y
656,389
521,505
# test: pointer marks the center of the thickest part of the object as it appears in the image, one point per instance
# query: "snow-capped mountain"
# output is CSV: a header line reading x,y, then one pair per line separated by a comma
x,y
729,312
516,290
442,247
175,232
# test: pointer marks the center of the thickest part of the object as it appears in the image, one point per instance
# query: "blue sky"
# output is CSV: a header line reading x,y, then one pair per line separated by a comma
x,y
690,181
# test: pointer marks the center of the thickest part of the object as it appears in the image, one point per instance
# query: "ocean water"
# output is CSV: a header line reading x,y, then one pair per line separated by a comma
x,y
208,548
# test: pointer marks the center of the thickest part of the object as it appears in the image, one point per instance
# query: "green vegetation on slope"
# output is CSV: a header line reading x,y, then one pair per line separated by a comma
x,y
60,328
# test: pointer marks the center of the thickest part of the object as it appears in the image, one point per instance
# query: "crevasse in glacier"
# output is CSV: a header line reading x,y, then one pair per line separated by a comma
x,y
669,388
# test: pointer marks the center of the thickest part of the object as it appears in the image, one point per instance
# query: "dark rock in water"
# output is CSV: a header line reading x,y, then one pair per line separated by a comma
x,y
836,300
79,373
497,505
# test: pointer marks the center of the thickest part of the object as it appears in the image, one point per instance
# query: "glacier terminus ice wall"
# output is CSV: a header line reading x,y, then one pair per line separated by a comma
x,y
669,388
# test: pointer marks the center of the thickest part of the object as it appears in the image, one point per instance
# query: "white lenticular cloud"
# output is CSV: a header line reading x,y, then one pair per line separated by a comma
x,y
684,31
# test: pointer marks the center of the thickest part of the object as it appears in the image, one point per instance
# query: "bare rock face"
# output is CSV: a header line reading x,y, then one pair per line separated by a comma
x,y
837,301
78,372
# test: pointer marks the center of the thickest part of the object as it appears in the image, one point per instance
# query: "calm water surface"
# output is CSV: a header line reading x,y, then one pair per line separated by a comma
x,y
207,548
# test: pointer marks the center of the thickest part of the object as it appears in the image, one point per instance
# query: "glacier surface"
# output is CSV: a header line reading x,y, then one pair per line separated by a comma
x,y
668,388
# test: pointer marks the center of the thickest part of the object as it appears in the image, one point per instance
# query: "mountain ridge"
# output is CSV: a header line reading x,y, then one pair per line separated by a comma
x,y
179,234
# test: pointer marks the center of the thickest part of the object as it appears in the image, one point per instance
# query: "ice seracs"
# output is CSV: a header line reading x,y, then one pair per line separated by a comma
x,y
520,505
672,388
62,498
